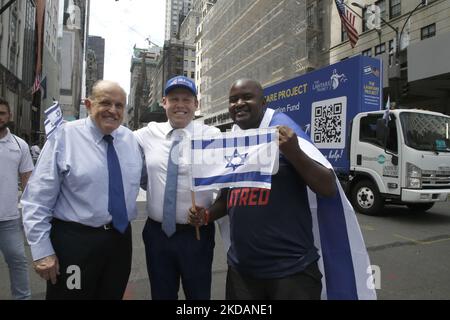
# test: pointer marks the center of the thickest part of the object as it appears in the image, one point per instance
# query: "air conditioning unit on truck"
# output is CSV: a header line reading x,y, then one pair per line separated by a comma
x,y
401,156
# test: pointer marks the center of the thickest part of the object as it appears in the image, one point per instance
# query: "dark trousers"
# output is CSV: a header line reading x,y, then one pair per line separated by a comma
x,y
180,256
305,285
103,258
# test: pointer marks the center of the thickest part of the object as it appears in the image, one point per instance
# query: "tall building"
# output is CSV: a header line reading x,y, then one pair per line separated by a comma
x,y
414,51
17,63
51,57
188,27
97,44
91,71
95,61
202,7
72,56
175,9
144,65
265,40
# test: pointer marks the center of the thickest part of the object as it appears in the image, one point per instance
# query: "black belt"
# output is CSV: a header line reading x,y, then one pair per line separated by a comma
x,y
179,227
105,227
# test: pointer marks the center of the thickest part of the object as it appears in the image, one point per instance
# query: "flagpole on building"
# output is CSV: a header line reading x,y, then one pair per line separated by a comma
x,y
194,208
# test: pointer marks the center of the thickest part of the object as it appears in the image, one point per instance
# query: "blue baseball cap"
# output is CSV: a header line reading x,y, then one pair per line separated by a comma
x,y
180,82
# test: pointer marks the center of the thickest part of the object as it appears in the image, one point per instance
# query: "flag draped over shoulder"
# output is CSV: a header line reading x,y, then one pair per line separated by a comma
x,y
234,159
348,21
54,119
344,262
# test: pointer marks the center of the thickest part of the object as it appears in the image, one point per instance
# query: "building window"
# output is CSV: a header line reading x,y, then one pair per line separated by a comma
x,y
367,53
380,49
193,64
382,5
185,73
391,52
365,15
310,16
344,35
192,75
395,8
428,31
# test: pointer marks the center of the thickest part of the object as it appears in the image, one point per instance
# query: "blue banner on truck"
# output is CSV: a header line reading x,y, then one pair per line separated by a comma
x,y
325,101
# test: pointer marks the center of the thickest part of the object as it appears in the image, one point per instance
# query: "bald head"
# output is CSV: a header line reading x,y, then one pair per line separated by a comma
x,y
105,85
251,83
247,103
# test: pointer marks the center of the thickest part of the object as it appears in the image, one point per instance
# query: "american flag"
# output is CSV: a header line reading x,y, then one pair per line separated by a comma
x,y
36,84
348,20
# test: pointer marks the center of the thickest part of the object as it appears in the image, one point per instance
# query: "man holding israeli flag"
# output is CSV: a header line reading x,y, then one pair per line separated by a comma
x,y
284,239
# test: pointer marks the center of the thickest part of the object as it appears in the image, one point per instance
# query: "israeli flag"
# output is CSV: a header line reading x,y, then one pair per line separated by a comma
x,y
54,118
344,261
234,159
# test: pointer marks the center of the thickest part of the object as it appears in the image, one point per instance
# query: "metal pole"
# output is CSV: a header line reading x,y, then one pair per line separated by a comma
x,y
398,38
409,17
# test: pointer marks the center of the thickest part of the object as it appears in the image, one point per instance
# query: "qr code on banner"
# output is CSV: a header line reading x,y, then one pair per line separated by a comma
x,y
328,123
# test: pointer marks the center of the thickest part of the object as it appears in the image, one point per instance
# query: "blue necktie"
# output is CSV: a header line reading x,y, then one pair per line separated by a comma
x,y
116,197
170,193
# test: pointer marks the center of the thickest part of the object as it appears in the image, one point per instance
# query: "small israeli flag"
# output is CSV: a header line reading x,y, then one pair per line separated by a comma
x,y
54,118
234,159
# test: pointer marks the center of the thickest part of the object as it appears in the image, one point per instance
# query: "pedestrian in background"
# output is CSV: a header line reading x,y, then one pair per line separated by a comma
x,y
35,151
15,164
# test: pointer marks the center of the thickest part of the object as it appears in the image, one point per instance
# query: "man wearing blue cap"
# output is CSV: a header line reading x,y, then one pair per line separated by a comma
x,y
171,247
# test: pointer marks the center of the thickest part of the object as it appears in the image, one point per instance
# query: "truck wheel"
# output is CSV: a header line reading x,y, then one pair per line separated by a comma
x,y
420,207
366,198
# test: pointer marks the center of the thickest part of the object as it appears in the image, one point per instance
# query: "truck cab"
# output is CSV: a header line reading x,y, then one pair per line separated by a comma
x,y
400,157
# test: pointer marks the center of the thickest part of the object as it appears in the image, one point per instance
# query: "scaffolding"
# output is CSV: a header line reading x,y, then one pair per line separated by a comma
x,y
269,41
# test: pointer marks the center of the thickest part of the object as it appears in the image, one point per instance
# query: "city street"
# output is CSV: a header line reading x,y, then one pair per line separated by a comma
x,y
199,87
410,249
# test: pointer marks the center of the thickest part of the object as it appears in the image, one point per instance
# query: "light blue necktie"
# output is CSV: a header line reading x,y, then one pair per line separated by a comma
x,y
170,193
116,197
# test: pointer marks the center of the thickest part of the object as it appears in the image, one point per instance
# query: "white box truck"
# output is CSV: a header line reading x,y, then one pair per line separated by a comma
x,y
400,157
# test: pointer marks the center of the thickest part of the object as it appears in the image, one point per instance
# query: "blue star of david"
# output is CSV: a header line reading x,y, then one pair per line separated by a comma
x,y
236,160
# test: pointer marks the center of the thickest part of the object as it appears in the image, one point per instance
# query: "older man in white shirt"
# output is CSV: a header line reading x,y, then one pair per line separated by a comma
x,y
80,200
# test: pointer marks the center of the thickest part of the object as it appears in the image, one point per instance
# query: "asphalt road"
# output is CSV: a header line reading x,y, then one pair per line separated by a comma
x,y
411,250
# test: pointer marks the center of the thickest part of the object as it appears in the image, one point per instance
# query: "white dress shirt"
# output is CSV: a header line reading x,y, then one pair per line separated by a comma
x,y
156,140
71,181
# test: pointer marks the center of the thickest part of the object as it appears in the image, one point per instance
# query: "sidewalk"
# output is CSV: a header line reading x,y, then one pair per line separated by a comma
x,y
138,285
